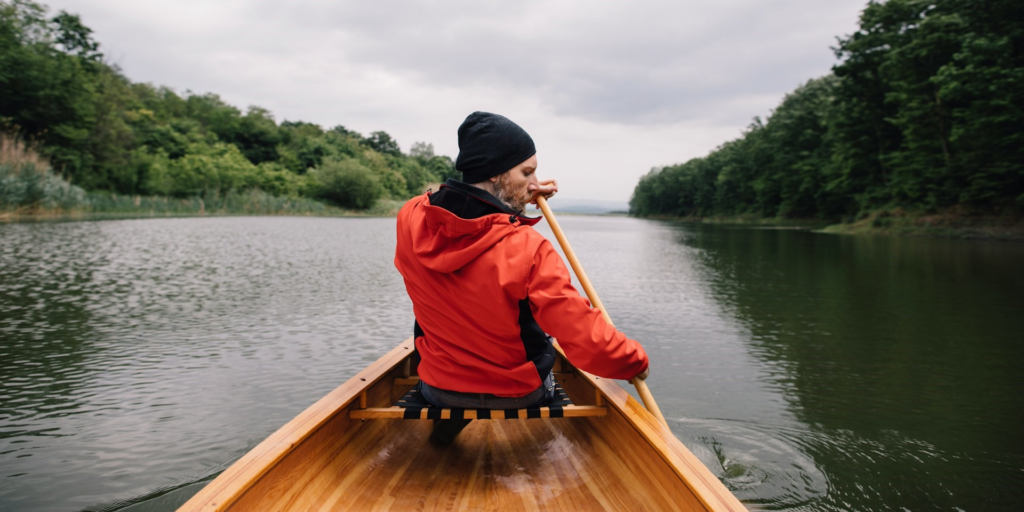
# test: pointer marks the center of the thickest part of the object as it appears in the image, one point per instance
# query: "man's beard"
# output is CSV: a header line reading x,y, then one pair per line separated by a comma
x,y
510,195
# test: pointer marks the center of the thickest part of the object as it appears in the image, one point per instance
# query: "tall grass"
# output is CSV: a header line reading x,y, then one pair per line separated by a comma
x,y
247,202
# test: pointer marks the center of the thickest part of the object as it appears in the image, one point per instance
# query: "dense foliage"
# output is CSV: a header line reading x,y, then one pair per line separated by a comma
x,y
925,110
104,132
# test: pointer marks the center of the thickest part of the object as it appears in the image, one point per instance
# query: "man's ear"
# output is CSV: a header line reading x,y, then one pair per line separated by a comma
x,y
493,179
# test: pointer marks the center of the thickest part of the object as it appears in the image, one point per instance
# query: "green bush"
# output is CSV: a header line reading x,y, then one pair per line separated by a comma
x,y
276,179
204,168
347,183
33,186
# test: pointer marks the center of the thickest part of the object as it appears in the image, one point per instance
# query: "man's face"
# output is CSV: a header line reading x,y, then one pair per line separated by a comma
x,y
513,187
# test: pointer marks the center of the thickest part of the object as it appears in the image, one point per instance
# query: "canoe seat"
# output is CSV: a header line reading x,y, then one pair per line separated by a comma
x,y
413,406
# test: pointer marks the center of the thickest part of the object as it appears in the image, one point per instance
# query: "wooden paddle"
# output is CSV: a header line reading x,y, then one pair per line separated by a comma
x,y
641,386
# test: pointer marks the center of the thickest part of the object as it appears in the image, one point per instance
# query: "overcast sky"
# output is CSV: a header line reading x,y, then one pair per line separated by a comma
x,y
607,89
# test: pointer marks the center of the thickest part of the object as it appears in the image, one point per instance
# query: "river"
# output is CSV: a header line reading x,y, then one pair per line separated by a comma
x,y
139,358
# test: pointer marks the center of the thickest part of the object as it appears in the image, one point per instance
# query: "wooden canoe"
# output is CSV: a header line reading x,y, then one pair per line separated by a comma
x,y
325,459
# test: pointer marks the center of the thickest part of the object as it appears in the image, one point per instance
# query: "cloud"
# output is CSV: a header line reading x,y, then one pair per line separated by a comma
x,y
621,62
607,89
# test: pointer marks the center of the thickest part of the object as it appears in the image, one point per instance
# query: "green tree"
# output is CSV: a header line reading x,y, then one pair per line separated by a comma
x,y
203,170
348,183
46,94
422,150
382,143
925,110
106,133
76,38
257,135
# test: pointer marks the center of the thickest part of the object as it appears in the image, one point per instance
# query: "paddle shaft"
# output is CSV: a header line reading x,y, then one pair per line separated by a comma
x,y
641,386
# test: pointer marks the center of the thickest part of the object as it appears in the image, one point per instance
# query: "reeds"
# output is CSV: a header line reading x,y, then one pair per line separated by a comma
x,y
14,151
246,202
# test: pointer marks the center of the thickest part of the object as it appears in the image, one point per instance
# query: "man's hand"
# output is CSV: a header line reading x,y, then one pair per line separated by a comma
x,y
644,374
546,188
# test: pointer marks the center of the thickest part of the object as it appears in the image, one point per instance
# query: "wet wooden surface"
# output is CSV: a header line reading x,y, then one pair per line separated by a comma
x,y
537,464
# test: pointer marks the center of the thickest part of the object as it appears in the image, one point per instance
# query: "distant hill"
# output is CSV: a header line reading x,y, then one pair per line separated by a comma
x,y
585,206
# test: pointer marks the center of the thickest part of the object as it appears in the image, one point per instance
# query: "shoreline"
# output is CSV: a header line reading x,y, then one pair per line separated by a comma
x,y
384,208
878,223
98,216
951,225
943,225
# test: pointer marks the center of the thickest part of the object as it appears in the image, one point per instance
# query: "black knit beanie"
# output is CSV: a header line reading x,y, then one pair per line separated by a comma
x,y
489,145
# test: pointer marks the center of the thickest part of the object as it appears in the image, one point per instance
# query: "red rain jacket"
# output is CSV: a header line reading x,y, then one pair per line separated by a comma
x,y
469,281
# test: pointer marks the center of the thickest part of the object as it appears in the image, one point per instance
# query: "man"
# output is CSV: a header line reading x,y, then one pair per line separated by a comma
x,y
486,287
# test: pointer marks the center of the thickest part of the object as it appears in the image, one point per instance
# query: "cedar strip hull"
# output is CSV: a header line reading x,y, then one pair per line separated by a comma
x,y
326,460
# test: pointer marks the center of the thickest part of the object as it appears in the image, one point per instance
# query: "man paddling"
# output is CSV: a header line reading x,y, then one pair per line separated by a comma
x,y
486,287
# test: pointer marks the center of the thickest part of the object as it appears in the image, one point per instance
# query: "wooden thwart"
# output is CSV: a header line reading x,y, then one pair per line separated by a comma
x,y
569,411
413,406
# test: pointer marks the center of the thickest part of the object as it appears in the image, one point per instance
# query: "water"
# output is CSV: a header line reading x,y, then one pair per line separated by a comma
x,y
140,358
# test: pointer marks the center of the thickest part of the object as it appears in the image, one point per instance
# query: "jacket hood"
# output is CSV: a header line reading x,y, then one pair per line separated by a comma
x,y
445,242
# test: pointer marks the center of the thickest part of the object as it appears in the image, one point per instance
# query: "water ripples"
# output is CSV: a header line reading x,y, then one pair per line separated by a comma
x,y
774,467
140,358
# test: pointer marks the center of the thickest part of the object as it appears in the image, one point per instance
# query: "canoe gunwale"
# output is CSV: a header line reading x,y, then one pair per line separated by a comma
x,y
705,486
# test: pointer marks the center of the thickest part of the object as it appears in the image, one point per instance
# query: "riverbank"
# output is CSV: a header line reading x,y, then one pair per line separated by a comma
x,y
103,206
949,224
30,190
751,220
894,222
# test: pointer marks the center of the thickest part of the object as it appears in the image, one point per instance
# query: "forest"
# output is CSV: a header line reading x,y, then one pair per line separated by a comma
x,y
88,125
923,112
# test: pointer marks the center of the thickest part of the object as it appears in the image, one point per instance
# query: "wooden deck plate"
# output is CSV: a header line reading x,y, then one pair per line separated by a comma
x,y
539,464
